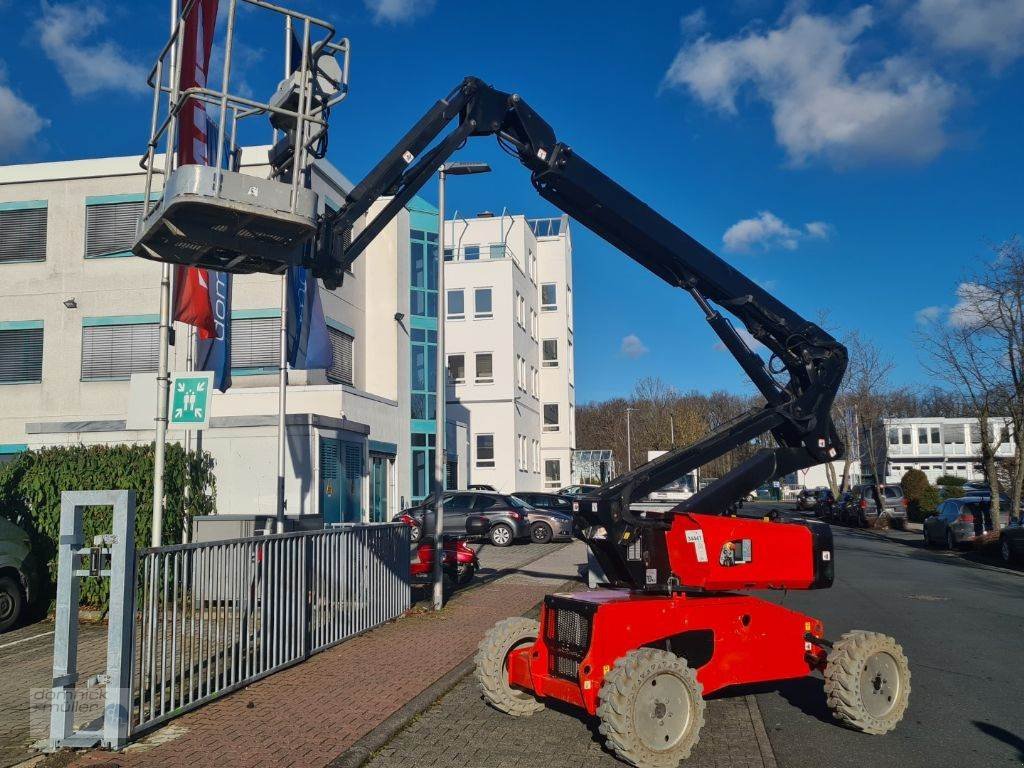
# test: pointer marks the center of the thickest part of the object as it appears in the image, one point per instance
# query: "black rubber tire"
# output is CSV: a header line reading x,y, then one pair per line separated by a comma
x,y
501,535
927,540
1005,551
541,533
618,711
899,523
950,541
491,672
12,602
465,574
844,684
415,533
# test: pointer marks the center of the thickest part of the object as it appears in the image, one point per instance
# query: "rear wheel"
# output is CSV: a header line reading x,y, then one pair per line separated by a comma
x,y
867,682
11,603
651,709
501,535
415,533
540,533
492,666
465,574
1004,550
950,541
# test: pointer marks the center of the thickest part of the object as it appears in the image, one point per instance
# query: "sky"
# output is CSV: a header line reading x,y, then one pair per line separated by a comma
x,y
855,159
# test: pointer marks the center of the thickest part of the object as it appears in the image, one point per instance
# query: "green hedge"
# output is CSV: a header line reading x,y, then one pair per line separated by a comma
x,y
31,485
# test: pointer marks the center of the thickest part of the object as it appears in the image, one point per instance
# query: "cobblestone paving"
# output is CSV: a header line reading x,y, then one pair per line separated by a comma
x,y
460,730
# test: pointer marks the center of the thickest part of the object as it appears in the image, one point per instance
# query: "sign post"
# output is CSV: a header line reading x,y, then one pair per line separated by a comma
x,y
190,400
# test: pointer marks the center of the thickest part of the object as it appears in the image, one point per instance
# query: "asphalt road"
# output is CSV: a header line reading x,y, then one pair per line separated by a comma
x,y
961,625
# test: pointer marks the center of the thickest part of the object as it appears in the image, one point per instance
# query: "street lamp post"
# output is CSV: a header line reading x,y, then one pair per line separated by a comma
x,y
453,169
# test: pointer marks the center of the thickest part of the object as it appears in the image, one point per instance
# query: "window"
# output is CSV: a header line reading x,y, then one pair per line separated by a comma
x,y
922,435
485,450
456,304
519,371
423,273
471,253
552,473
23,231
533,264
341,370
549,353
905,435
936,436
533,381
536,383
548,297
484,368
110,228
457,369
423,373
533,324
520,310
255,345
21,353
116,351
483,306
449,254
568,352
536,456
521,452
497,250
551,417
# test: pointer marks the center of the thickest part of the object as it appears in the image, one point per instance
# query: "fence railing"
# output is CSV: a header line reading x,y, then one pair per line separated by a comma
x,y
216,616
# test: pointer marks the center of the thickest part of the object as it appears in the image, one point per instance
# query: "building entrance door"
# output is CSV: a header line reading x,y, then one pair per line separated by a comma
x,y
378,488
330,490
352,480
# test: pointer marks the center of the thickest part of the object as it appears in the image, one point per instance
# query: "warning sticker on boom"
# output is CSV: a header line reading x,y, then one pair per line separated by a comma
x,y
697,539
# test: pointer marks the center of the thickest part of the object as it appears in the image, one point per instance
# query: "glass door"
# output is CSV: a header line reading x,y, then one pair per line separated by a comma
x,y
378,488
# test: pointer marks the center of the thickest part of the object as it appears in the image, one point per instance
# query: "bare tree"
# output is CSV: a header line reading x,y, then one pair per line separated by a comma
x,y
862,403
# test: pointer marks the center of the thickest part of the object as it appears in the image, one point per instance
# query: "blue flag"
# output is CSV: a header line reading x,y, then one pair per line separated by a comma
x,y
214,354
308,343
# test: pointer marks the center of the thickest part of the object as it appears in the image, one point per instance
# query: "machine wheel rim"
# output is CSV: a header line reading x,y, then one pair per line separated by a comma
x,y
1004,550
415,533
501,535
880,684
661,712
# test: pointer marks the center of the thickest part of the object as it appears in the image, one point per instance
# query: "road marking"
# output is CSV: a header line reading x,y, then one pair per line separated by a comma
x,y
25,640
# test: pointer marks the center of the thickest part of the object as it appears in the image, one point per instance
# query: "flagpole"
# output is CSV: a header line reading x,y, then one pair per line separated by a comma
x,y
163,375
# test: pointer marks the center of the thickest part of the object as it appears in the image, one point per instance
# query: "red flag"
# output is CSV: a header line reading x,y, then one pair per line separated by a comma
x,y
191,294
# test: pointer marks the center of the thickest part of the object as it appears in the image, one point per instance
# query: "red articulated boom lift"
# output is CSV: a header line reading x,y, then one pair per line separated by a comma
x,y
672,624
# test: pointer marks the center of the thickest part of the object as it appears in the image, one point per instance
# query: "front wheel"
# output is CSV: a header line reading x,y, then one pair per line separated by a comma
x,y
501,535
540,533
1004,550
867,682
652,708
11,603
950,541
465,574
492,666
415,533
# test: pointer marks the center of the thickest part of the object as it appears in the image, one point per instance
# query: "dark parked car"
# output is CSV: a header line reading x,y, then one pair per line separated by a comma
x,y
1011,541
509,517
20,580
960,521
870,504
809,498
573,491
550,516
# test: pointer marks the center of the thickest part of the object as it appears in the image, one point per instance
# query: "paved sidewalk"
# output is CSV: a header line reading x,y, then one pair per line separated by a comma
x,y
309,714
460,730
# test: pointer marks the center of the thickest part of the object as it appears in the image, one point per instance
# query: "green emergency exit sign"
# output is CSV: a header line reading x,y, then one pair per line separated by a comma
x,y
190,400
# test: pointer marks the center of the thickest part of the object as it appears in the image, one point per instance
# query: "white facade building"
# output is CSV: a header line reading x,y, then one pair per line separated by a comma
x,y
509,347
940,446
78,347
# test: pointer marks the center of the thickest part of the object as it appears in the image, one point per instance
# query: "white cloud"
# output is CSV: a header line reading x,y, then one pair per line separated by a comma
x,y
766,231
19,120
693,24
822,106
989,29
398,11
632,347
927,315
87,67
975,305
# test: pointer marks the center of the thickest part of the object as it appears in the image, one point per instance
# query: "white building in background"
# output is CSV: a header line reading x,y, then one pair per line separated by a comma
x,y
78,348
940,446
509,347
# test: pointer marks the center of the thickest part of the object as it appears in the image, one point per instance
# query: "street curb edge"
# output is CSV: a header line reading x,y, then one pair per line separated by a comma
x,y
761,733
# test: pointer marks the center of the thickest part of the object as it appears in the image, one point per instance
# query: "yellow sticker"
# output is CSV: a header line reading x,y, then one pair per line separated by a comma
x,y
586,685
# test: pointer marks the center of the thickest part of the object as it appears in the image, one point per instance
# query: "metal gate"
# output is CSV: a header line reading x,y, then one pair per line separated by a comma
x,y
205,619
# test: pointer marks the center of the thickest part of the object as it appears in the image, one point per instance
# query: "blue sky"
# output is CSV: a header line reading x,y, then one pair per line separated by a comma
x,y
854,158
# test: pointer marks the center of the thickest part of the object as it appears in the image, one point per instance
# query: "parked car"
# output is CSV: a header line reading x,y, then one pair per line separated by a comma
x,y
960,521
509,517
550,516
808,498
871,504
577,490
20,580
1011,541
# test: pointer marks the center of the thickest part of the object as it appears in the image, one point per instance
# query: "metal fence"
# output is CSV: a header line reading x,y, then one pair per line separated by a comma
x,y
216,616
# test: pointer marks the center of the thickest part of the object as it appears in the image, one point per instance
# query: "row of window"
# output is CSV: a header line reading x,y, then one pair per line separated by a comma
x,y
527,458
490,251
950,434
527,454
484,368
114,351
527,382
109,229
